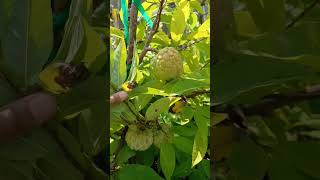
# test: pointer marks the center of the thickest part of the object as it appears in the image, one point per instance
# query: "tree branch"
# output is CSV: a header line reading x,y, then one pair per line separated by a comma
x,y
120,146
152,49
198,93
272,102
132,33
187,45
302,14
153,31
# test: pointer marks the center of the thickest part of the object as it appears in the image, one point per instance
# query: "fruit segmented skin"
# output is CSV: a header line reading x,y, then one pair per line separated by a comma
x,y
163,135
139,140
168,64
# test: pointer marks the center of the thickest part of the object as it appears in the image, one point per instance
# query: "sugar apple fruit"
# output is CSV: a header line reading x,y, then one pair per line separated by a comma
x,y
167,64
162,135
138,139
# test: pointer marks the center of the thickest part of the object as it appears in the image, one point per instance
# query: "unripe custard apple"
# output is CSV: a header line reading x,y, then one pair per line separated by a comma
x,y
163,135
137,139
167,64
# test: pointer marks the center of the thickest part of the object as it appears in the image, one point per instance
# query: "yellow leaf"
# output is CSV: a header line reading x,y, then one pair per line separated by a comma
x,y
202,32
218,117
47,80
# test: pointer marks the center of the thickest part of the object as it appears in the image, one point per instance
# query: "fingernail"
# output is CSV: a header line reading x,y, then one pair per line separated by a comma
x,y
43,107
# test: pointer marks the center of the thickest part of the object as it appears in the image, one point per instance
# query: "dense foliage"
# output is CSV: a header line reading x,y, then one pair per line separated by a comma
x,y
61,48
162,131
266,71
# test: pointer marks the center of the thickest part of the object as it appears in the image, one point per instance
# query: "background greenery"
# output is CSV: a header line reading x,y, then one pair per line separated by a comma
x,y
184,25
265,115
35,36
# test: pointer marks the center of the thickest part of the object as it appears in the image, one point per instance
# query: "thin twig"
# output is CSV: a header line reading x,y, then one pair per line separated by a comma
x,y
302,14
267,105
152,49
132,32
120,146
152,32
10,83
205,65
197,93
187,45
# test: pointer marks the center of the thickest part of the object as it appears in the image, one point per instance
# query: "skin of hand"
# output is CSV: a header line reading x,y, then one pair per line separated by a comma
x,y
118,98
19,117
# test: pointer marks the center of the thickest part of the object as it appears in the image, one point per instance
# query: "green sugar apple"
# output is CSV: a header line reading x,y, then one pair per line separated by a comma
x,y
138,139
162,135
167,64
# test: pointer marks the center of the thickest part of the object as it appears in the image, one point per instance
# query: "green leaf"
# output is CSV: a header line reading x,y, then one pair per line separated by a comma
x,y
140,172
142,100
161,38
134,65
258,127
247,79
202,121
218,117
260,12
254,158
116,32
22,149
184,86
245,24
147,90
95,54
178,24
185,116
202,32
146,157
59,169
118,67
298,41
201,139
18,170
204,166
71,146
197,174
183,144
185,130
83,95
295,160
7,93
29,148
100,15
183,166
311,134
155,109
124,155
150,87
96,173
28,43
167,160
200,146
195,4
5,15
93,128
72,41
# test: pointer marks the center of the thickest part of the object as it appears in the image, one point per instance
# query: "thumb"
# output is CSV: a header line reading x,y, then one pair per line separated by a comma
x,y
118,98
22,115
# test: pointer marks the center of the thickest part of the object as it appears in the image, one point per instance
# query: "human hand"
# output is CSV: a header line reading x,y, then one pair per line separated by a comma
x,y
20,116
118,98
